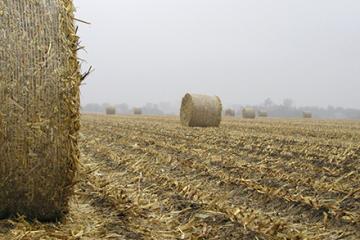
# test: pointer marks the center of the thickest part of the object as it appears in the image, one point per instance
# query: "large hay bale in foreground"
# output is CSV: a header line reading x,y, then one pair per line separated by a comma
x,y
137,111
230,112
39,110
200,111
262,114
110,111
248,113
307,115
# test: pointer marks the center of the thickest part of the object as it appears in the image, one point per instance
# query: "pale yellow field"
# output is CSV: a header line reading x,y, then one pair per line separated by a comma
x,y
151,178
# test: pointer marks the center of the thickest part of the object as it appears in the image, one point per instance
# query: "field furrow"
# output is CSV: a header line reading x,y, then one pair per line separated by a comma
x,y
322,211
147,177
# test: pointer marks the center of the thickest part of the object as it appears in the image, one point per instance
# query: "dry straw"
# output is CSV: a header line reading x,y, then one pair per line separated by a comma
x,y
137,111
200,111
262,114
248,113
307,115
39,110
110,111
229,112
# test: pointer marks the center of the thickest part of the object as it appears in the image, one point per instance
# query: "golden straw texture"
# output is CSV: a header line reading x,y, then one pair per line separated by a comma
x,y
39,110
200,111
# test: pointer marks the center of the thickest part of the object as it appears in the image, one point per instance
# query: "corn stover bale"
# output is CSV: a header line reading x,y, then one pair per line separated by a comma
x,y
262,114
110,111
200,110
137,111
39,110
307,115
248,113
230,112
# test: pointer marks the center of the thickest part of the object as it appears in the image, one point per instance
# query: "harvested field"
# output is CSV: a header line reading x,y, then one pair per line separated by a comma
x,y
151,178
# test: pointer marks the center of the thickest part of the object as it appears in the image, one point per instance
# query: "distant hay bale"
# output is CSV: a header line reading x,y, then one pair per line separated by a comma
x,y
262,114
230,112
110,111
200,111
137,111
307,115
248,113
39,110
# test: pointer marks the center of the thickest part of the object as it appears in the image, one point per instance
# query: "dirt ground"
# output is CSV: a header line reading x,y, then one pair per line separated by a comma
x,y
150,178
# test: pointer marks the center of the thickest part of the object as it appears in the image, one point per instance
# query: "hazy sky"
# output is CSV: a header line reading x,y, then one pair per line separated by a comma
x,y
242,50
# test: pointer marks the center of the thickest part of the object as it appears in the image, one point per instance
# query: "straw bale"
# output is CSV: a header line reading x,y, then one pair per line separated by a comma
x,y
200,110
248,113
262,114
137,111
39,110
230,112
307,115
110,111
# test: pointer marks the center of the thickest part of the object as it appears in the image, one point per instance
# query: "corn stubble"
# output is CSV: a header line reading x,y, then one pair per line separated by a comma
x,y
39,110
151,178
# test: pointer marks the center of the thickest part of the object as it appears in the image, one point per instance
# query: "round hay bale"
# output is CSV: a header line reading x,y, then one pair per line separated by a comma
x,y
137,111
307,115
200,111
262,114
110,111
39,110
230,112
248,113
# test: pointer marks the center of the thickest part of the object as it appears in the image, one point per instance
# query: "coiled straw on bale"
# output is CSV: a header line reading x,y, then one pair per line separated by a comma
x,y
229,113
110,111
137,111
39,110
248,113
200,111
307,115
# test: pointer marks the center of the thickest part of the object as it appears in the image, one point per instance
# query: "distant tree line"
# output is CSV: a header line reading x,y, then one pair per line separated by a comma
x,y
123,108
289,110
286,109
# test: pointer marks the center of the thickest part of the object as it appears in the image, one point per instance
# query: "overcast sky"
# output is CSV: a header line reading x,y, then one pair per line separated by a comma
x,y
241,50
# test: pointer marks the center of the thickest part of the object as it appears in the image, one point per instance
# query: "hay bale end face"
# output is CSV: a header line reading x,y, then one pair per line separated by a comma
x,y
307,115
230,112
110,111
39,110
248,113
137,111
200,111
